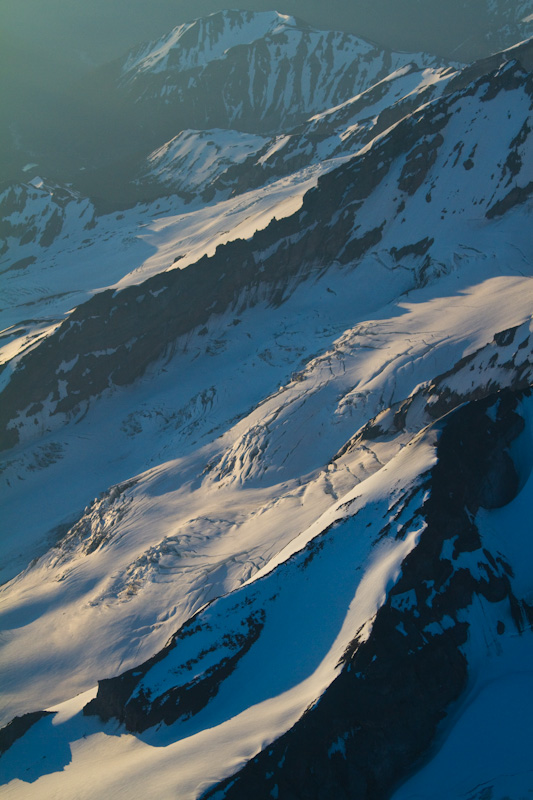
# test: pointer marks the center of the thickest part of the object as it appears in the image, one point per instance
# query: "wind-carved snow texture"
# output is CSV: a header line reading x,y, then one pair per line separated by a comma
x,y
311,573
505,361
164,561
215,643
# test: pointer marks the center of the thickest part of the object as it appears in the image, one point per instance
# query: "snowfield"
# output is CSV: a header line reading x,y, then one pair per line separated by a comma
x,y
287,546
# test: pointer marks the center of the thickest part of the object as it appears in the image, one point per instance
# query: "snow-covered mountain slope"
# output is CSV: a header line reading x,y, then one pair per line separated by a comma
x,y
303,407
247,493
41,285
256,72
422,650
199,166
343,641
230,367
196,162
86,251
414,199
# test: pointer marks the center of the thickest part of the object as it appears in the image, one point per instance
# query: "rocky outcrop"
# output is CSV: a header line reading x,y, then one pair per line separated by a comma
x,y
260,72
505,362
516,196
39,213
18,727
378,718
138,711
112,339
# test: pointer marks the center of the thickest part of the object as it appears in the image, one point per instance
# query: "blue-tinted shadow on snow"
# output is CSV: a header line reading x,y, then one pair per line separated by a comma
x,y
306,601
44,747
41,750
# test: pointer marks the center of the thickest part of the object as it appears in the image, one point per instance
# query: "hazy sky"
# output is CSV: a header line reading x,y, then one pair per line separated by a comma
x,y
46,45
99,30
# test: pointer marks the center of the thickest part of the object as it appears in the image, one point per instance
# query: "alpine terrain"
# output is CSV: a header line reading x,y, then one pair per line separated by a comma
x,y
266,420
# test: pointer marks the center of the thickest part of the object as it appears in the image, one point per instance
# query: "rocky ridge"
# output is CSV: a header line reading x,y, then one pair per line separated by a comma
x,y
112,339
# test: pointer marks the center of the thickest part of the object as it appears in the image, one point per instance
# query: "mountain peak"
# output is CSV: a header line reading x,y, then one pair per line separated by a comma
x,y
195,44
266,372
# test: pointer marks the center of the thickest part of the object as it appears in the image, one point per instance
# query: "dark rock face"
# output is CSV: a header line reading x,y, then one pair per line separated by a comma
x,y
516,196
137,710
418,163
378,718
506,361
417,249
18,727
114,336
22,263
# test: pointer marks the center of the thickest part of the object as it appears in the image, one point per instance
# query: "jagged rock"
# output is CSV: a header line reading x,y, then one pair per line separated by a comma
x,y
379,716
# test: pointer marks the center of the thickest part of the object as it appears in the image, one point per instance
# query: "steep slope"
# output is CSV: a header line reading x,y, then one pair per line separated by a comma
x,y
153,550
256,72
430,167
383,708
331,134
293,465
90,252
416,602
